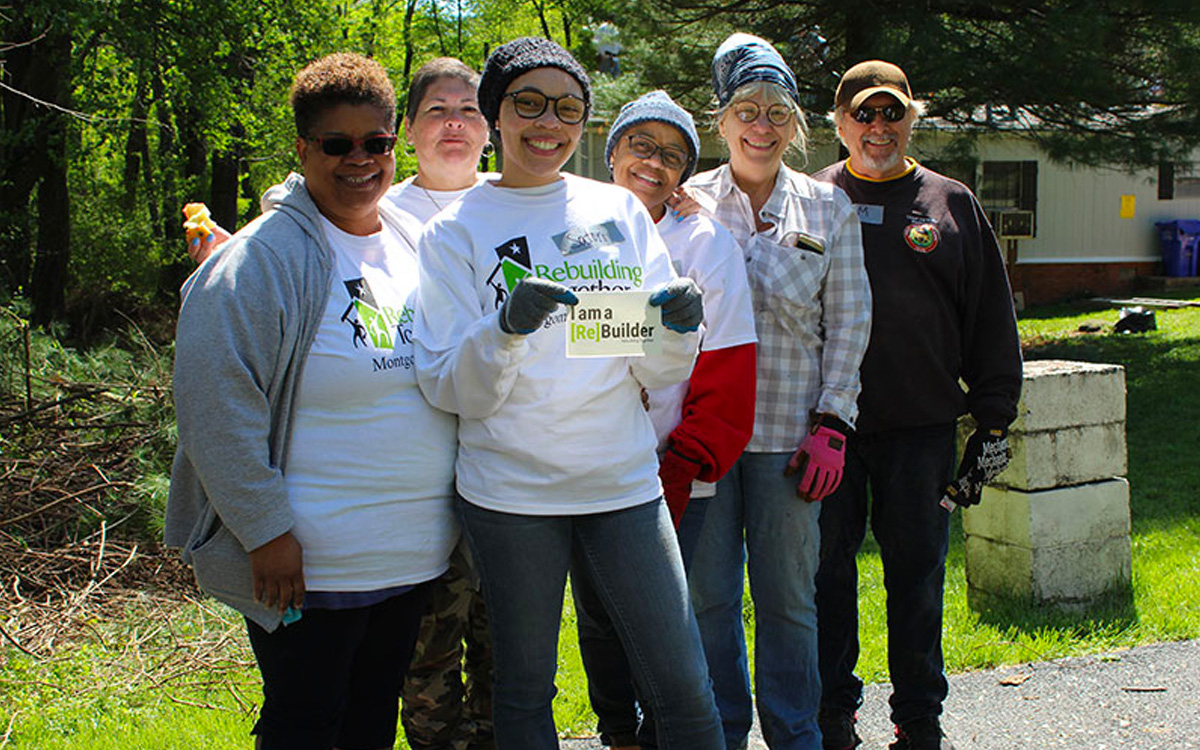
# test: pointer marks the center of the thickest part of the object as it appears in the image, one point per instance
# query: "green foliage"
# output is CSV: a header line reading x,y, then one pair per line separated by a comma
x,y
172,101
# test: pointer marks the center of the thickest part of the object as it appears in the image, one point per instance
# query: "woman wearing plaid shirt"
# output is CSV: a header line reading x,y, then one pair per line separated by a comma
x,y
812,307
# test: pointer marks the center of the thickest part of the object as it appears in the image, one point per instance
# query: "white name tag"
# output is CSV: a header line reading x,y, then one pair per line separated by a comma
x,y
613,324
869,214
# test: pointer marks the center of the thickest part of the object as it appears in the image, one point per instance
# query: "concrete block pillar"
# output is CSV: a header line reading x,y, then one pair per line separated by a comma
x,y
1055,526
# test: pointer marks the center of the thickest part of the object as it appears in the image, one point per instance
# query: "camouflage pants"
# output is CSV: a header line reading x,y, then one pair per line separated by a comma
x,y
442,710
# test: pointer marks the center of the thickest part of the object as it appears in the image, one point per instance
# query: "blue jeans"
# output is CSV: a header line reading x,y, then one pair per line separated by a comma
x,y
610,680
906,471
633,560
757,521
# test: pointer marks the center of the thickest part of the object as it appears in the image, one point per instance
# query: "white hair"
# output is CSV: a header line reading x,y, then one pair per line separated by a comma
x,y
774,94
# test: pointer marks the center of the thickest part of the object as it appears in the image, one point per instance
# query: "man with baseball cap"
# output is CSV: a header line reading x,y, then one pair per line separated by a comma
x,y
943,314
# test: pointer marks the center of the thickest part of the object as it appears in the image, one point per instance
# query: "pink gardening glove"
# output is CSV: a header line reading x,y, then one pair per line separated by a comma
x,y
819,461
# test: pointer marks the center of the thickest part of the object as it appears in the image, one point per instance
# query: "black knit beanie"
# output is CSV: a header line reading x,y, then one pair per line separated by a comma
x,y
518,57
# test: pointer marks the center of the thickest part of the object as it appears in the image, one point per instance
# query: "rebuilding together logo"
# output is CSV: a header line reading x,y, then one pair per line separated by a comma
x,y
594,275
374,325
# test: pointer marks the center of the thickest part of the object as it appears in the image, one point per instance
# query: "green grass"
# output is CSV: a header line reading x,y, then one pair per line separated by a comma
x,y
116,688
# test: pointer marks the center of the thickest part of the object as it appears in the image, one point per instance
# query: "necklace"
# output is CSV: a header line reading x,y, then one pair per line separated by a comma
x,y
429,195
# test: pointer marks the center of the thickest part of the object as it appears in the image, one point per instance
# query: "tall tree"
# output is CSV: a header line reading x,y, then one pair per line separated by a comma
x,y
35,155
1095,81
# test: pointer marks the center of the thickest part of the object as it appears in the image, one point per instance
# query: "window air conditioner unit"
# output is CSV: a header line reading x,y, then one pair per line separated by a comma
x,y
1015,225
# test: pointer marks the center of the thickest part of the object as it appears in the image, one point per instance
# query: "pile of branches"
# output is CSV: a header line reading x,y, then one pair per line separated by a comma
x,y
74,539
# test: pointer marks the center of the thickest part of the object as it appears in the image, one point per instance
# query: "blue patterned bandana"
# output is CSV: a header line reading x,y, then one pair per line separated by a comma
x,y
744,58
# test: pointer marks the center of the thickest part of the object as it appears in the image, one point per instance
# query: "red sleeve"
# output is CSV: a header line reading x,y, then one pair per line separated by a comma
x,y
718,412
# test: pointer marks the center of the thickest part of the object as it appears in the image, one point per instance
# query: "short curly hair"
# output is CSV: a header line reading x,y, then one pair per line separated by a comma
x,y
340,78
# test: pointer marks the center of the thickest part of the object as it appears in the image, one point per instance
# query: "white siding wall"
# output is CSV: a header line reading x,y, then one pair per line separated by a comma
x,y
1079,208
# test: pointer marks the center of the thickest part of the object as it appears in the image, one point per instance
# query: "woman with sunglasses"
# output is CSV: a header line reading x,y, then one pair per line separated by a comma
x,y
556,455
703,424
812,304
311,489
444,127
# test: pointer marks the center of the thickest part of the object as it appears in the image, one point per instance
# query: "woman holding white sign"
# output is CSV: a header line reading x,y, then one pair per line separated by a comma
x,y
556,454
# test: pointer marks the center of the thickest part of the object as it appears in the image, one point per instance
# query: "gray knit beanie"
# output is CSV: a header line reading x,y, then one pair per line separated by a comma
x,y
656,106
508,61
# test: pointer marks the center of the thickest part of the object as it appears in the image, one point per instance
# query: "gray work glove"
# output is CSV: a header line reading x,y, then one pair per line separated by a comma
x,y
682,307
531,302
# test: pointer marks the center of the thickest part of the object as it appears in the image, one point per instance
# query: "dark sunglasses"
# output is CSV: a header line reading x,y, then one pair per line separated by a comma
x,y
748,111
340,145
891,113
644,147
531,103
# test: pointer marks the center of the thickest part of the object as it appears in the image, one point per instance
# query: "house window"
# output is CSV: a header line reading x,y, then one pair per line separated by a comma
x,y
1178,180
1009,185
1166,181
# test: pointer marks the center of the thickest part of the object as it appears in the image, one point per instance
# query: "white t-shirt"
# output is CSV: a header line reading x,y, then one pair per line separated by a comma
x,y
540,434
371,463
421,203
705,252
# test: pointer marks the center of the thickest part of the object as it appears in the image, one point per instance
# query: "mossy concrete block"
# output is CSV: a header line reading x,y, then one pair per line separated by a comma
x,y
1070,544
1058,393
1050,518
1072,574
1066,456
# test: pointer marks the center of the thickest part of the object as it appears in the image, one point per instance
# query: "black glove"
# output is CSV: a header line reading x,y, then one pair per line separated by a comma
x,y
531,302
682,307
986,455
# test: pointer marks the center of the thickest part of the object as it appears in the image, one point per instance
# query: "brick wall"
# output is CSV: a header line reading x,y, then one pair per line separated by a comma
x,y
1042,283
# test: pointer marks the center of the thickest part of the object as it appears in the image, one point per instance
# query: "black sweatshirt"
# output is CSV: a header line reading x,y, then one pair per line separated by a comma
x,y
942,304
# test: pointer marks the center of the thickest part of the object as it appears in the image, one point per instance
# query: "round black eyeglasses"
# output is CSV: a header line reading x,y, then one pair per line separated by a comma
x,y
644,147
530,104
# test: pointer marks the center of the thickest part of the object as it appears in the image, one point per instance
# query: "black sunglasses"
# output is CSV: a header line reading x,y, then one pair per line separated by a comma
x,y
531,103
644,147
890,112
340,145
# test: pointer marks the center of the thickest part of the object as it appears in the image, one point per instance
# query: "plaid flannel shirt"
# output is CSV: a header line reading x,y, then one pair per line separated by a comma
x,y
812,299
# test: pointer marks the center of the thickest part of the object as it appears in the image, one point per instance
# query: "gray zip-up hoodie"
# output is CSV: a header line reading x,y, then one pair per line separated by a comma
x,y
248,319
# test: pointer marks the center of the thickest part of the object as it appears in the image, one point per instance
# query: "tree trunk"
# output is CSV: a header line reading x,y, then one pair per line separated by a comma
x,y
19,149
540,6
47,285
437,26
167,209
410,8
862,28
49,281
222,201
135,144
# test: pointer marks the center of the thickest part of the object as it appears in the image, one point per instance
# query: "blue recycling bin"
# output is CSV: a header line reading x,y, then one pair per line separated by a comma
x,y
1179,239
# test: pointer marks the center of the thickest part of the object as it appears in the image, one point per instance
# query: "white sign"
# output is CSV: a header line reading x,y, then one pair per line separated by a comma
x,y
613,324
